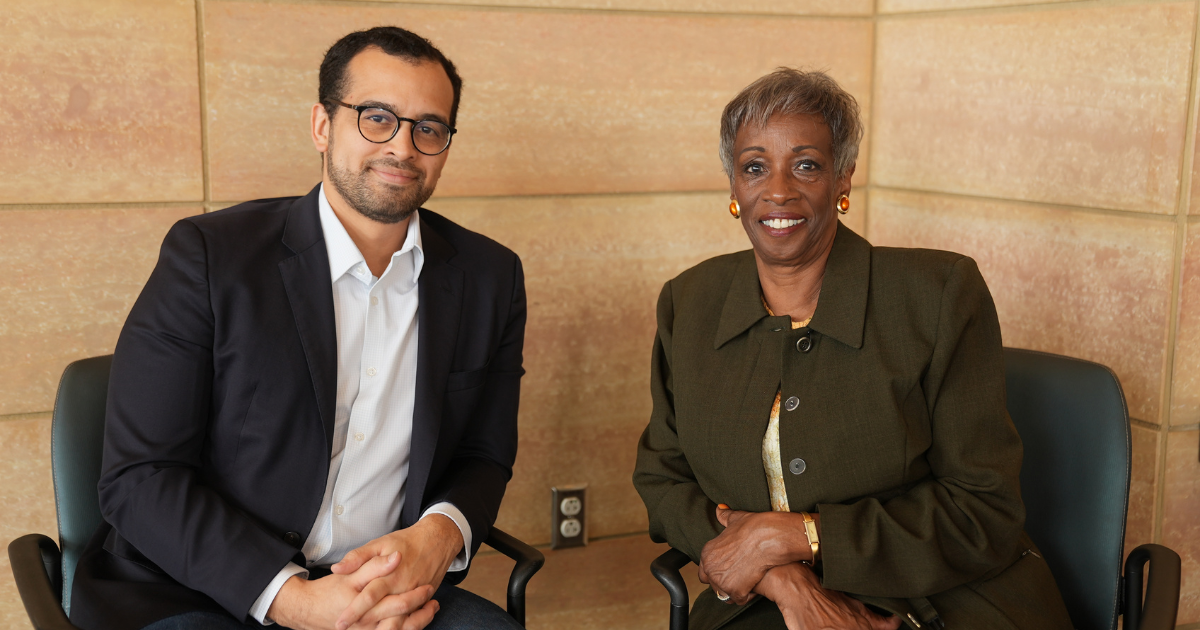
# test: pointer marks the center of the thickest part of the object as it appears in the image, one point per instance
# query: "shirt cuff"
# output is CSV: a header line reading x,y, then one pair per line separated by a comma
x,y
263,603
448,510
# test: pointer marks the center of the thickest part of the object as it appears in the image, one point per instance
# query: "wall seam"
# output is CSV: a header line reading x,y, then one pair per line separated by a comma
x,y
200,64
1032,8
874,91
31,415
1181,224
454,6
1154,216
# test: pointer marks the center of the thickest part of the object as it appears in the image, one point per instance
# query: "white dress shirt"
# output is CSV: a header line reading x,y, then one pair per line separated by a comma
x,y
376,323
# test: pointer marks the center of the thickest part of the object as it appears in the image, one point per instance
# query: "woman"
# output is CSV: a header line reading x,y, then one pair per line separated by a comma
x,y
829,437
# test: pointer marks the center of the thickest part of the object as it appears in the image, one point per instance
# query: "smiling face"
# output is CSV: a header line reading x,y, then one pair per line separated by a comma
x,y
385,182
784,182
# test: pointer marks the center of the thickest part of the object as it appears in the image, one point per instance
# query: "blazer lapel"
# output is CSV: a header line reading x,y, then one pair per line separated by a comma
x,y
440,295
310,293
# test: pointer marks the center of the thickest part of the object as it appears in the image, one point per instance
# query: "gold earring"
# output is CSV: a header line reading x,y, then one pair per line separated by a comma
x,y
843,204
735,209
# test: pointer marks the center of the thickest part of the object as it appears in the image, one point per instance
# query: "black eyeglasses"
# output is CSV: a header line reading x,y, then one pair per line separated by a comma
x,y
379,125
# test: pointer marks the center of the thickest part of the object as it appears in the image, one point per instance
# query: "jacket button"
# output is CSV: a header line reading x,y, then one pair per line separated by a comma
x,y
804,344
797,466
791,403
292,538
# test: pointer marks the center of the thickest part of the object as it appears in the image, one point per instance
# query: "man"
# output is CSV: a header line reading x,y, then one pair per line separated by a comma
x,y
315,381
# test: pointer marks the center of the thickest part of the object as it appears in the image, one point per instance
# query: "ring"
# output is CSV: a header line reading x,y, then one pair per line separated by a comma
x,y
721,596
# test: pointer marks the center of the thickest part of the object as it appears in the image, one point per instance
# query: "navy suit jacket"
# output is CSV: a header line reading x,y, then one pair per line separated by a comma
x,y
221,408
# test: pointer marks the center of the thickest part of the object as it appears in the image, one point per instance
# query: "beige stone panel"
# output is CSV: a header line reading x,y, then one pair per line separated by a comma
x,y
781,7
1079,106
554,102
1084,284
594,266
1181,516
70,278
1185,390
902,6
101,102
604,585
26,500
1143,484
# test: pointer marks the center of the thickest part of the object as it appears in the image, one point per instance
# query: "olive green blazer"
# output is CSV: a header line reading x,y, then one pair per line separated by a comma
x,y
907,450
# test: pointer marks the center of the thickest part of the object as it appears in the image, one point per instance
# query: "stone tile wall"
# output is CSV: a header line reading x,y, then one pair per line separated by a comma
x,y
1052,141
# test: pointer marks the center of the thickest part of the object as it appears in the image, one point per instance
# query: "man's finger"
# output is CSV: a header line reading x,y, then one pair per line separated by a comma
x,y
400,605
371,594
374,569
356,558
423,617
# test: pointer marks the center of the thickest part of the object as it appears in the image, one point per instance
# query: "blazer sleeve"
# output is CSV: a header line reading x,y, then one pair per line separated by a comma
x,y
965,519
476,477
679,511
158,411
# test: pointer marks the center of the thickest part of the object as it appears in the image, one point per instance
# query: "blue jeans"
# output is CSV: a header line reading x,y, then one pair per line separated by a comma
x,y
460,610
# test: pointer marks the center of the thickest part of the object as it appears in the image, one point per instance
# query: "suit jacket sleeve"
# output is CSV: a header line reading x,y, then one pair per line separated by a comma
x,y
965,519
679,511
476,476
157,418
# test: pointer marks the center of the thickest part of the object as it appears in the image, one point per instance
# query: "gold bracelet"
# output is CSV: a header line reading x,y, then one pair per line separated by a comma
x,y
814,541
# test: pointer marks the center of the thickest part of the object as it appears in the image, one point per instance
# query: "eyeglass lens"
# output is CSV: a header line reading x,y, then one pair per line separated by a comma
x,y
428,136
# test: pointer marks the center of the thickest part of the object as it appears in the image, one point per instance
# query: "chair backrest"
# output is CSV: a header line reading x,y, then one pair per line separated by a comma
x,y
76,445
1073,422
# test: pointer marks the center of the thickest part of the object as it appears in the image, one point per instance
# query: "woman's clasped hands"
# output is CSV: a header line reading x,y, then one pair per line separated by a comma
x,y
761,553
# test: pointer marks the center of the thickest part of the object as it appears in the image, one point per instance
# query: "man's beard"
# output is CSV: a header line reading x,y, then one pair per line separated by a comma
x,y
394,205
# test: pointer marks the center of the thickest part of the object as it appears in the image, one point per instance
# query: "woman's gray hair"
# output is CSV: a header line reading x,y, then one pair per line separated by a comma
x,y
791,91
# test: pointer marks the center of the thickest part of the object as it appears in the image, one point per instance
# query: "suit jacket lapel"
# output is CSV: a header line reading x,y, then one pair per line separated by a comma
x,y
440,294
310,292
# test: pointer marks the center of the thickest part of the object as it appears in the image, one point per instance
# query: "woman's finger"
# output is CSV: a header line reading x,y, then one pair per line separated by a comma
x,y
400,605
883,623
723,514
423,617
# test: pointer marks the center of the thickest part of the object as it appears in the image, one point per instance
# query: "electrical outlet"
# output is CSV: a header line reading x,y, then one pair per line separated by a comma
x,y
568,516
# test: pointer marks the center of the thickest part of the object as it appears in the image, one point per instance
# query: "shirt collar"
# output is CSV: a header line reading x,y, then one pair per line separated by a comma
x,y
841,309
344,254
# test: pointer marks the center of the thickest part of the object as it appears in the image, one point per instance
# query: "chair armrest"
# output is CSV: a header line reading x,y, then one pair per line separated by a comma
x,y
1161,606
528,559
37,568
666,569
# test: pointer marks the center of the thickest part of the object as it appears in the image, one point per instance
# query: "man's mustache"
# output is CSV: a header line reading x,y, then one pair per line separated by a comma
x,y
407,167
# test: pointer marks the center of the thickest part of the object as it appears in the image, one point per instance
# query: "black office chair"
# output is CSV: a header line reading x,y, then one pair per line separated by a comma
x,y
44,573
1075,482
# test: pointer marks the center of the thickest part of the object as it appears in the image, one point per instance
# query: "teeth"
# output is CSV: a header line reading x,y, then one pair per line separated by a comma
x,y
779,224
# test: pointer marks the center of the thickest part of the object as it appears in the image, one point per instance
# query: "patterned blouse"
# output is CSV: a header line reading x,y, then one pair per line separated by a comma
x,y
770,446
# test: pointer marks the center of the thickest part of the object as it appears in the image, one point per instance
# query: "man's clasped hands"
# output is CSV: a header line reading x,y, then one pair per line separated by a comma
x,y
387,584
761,553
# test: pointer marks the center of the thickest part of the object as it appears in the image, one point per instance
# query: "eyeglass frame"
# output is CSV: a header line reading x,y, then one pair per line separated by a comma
x,y
399,119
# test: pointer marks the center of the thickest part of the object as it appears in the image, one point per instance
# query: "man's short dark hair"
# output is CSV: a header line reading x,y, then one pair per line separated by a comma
x,y
394,41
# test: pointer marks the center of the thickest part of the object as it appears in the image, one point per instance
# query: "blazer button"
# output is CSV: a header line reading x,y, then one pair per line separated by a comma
x,y
797,466
292,538
804,344
791,403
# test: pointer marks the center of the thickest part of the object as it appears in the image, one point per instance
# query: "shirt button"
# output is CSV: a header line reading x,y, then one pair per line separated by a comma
x,y
797,466
371,371
360,437
374,300
339,509
791,403
804,344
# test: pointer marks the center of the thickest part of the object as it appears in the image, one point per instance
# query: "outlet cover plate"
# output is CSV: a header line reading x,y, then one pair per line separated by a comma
x,y
568,516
